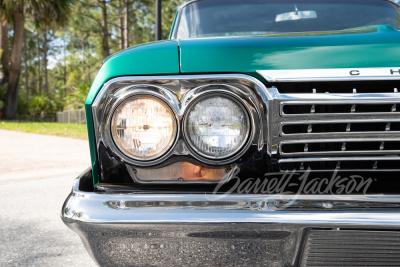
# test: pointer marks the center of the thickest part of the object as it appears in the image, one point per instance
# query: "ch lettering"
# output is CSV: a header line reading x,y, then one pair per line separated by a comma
x,y
354,72
395,71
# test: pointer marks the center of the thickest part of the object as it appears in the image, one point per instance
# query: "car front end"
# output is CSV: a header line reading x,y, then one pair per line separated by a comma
x,y
240,145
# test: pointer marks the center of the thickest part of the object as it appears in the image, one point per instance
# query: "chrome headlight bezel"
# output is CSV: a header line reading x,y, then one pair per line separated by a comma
x,y
179,93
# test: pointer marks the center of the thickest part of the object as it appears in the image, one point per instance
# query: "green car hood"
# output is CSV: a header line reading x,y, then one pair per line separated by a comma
x,y
372,46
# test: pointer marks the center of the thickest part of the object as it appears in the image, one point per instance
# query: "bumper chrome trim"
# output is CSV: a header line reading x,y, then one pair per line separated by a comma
x,y
234,208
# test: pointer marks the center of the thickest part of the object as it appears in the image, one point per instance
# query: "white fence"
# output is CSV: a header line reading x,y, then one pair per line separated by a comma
x,y
72,116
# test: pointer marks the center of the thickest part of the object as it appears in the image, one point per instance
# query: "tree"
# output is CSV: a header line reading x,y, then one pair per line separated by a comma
x,y
89,9
46,12
39,79
26,66
126,24
5,59
45,61
52,14
10,105
106,47
120,25
28,77
64,68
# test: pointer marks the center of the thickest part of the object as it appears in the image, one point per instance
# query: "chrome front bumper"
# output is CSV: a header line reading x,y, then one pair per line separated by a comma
x,y
206,230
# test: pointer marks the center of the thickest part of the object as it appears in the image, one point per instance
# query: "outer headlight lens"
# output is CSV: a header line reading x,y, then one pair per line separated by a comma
x,y
217,126
143,127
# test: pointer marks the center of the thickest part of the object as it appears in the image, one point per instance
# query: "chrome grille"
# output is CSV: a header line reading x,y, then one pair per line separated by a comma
x,y
325,131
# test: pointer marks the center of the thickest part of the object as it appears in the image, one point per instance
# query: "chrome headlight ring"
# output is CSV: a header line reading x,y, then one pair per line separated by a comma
x,y
235,96
132,92
145,132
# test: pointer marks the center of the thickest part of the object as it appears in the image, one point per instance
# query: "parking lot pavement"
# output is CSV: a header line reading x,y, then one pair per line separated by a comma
x,y
36,176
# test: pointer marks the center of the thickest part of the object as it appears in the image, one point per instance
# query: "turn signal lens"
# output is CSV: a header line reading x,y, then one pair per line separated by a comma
x,y
217,126
182,172
143,127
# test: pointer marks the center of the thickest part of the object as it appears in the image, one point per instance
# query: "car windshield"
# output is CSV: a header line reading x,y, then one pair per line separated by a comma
x,y
208,18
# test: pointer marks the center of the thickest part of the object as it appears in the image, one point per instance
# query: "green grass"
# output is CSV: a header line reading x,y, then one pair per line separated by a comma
x,y
77,131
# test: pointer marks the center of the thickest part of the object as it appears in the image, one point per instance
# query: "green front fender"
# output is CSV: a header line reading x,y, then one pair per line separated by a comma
x,y
157,58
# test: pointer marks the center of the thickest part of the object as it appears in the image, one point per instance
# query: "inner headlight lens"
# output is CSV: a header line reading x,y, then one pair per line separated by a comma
x,y
143,127
217,126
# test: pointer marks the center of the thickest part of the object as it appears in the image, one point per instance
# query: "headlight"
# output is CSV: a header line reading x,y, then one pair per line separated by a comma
x,y
143,127
217,126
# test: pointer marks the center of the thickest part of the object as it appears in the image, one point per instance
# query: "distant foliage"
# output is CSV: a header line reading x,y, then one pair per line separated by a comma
x,y
76,99
60,63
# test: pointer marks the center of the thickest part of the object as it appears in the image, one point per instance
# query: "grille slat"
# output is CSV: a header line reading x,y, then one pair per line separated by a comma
x,y
340,147
342,127
328,109
342,164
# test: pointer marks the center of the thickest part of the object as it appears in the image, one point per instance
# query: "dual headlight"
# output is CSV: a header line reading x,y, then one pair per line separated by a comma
x,y
215,127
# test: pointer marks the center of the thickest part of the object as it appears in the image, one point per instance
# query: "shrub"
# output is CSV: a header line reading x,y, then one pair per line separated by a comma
x,y
43,104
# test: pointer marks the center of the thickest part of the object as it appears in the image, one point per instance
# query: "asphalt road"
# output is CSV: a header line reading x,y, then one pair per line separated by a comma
x,y
36,175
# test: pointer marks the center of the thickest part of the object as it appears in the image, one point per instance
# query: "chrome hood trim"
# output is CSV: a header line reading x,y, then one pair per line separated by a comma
x,y
337,74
